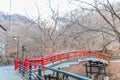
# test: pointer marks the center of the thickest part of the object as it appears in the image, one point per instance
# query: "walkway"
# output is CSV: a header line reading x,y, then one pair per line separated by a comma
x,y
8,73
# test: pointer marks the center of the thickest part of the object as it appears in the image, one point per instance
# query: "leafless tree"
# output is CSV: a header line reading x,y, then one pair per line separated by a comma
x,y
107,12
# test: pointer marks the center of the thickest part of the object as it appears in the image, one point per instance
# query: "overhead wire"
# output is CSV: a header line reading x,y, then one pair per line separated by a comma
x,y
9,14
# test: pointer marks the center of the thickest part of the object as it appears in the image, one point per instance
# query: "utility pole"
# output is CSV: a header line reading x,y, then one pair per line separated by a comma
x,y
16,38
18,42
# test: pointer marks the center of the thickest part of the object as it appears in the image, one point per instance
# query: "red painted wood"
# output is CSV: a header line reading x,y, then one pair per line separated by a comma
x,y
60,56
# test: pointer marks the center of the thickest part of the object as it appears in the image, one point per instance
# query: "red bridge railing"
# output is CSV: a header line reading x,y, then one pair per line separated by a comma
x,y
61,56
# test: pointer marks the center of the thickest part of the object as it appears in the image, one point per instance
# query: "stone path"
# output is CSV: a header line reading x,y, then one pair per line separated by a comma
x,y
8,73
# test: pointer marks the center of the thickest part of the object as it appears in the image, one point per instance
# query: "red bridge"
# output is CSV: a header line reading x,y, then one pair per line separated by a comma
x,y
52,58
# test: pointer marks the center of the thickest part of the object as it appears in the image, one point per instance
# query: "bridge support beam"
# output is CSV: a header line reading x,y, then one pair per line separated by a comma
x,y
98,66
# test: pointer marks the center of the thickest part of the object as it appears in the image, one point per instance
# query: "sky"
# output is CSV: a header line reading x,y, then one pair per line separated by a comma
x,y
28,7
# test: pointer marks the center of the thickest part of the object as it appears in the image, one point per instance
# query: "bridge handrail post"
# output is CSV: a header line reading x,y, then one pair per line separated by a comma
x,y
35,62
30,72
15,64
19,66
39,72
68,56
106,57
67,77
26,64
52,59
23,68
43,61
59,57
57,75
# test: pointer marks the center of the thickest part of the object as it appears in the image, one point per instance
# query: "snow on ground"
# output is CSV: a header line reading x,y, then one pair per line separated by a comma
x,y
8,73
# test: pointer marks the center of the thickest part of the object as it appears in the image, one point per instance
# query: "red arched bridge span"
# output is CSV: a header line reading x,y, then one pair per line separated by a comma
x,y
26,65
